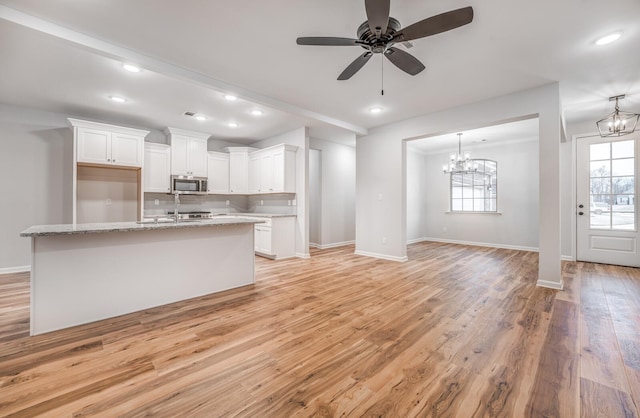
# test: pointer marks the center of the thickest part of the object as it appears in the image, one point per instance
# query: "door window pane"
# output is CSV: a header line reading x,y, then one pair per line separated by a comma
x,y
600,168
600,185
622,167
623,185
622,149
600,151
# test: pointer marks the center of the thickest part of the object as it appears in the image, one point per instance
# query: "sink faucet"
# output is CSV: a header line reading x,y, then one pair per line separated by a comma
x,y
176,203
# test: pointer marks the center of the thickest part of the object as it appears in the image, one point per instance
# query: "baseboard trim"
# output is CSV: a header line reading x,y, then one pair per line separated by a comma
x,y
567,258
18,269
550,285
333,245
303,255
416,240
477,244
381,256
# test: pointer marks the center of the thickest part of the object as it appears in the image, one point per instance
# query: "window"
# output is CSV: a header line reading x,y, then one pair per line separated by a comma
x,y
476,192
612,185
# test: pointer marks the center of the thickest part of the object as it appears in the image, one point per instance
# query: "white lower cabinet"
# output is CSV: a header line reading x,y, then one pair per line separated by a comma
x,y
276,237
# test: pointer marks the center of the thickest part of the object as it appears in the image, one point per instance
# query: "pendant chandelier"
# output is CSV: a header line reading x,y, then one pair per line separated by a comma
x,y
460,163
618,123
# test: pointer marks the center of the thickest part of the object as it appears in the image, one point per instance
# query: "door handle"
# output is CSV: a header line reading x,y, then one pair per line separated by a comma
x,y
580,206
580,213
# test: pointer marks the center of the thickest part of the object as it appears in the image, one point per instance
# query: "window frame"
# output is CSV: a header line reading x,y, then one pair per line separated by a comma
x,y
486,182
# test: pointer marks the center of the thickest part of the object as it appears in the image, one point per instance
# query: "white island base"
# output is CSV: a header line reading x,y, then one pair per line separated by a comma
x,y
84,277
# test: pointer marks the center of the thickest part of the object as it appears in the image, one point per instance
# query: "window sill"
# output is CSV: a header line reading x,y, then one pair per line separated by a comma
x,y
449,212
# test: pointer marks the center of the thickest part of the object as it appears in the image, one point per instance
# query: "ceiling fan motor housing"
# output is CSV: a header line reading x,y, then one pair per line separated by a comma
x,y
377,44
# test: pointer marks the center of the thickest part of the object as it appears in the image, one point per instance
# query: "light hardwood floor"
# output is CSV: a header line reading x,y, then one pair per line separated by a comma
x,y
457,331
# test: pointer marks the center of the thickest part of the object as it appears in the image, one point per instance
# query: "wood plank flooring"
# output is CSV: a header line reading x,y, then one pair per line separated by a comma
x,y
457,331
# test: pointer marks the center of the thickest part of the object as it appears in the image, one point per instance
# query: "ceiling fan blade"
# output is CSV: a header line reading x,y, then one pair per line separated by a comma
x,y
377,15
435,24
403,60
355,66
326,41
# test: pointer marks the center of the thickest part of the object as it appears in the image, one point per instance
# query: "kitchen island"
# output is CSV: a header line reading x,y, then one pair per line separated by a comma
x,y
82,273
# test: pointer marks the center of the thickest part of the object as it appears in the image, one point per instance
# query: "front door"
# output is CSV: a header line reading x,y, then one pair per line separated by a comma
x,y
607,188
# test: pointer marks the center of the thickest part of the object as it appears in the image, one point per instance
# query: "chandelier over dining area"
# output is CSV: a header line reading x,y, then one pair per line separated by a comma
x,y
459,163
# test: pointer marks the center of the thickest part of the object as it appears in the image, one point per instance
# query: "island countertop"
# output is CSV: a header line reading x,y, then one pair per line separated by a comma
x,y
89,228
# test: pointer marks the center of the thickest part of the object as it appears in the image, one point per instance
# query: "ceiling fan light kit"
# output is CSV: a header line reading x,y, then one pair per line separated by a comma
x,y
380,32
618,123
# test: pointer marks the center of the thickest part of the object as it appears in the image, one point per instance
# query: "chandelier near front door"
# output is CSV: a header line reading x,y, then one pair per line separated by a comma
x,y
618,123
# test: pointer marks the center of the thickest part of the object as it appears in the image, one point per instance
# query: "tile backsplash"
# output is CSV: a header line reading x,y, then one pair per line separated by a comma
x,y
272,203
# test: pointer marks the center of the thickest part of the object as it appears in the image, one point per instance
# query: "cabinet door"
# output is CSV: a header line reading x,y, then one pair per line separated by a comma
x,y
197,157
238,172
218,173
94,146
278,174
127,150
266,173
157,170
255,174
179,154
263,239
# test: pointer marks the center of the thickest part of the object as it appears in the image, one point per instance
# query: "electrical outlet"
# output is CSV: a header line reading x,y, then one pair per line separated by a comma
x,y
108,202
227,203
156,202
288,202
261,202
380,196
444,229
384,240
293,202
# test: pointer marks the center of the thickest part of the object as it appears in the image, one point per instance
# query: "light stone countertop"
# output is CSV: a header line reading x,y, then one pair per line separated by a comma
x,y
89,228
261,215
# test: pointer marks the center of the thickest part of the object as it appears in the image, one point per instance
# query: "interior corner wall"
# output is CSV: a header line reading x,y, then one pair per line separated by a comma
x,y
417,192
36,170
516,225
380,172
300,138
338,193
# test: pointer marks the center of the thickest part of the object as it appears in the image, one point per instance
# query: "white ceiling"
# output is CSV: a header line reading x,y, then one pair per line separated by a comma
x,y
198,49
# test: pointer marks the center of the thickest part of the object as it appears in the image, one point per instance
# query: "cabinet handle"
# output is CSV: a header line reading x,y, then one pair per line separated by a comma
x,y
113,161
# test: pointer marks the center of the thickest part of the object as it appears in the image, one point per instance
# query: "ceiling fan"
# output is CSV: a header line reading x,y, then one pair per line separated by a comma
x,y
380,32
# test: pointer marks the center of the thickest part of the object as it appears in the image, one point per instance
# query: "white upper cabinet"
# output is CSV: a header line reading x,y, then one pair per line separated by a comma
x,y
102,144
157,168
218,169
273,170
188,152
239,169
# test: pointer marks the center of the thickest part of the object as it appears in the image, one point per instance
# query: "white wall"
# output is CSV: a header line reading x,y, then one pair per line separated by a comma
x,y
416,196
35,169
315,196
381,174
338,190
516,225
300,138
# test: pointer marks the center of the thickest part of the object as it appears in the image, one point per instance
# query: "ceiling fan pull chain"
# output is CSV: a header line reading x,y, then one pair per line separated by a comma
x,y
382,74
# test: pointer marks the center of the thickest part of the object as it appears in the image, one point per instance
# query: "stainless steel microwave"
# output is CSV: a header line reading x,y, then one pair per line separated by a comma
x,y
188,185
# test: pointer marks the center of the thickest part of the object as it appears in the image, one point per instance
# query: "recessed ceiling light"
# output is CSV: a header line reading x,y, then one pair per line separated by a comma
x,y
132,68
200,117
232,124
118,99
256,112
375,110
612,37
230,97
